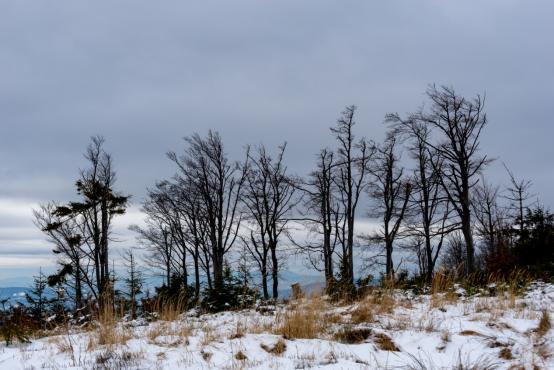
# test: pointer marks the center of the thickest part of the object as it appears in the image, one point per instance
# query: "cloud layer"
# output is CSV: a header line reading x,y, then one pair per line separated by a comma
x,y
146,74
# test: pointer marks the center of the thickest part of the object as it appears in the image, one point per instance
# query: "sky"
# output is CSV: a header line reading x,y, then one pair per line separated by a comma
x,y
145,74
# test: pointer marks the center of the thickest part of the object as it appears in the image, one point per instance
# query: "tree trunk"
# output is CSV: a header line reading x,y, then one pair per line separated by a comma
x,y
275,272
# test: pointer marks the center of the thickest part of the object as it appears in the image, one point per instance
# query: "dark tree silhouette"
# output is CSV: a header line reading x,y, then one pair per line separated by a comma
x,y
268,196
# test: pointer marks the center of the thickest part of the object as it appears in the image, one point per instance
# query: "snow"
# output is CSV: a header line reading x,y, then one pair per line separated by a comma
x,y
435,332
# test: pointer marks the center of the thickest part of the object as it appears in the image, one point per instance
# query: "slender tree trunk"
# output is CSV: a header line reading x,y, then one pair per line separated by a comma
x,y
196,274
78,288
275,271
264,282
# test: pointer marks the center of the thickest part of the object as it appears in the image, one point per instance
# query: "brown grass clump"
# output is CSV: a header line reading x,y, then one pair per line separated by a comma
x,y
506,354
543,351
170,309
385,343
177,330
471,333
238,332
544,323
333,318
362,313
352,335
304,321
383,301
442,282
107,332
206,355
277,349
240,356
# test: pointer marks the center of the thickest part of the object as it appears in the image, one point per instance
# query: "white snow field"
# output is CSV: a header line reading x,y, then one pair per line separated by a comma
x,y
395,330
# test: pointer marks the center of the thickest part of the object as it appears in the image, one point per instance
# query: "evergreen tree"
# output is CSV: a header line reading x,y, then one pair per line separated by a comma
x,y
38,300
133,282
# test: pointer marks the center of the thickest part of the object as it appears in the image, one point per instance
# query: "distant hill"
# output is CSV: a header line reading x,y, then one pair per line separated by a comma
x,y
14,295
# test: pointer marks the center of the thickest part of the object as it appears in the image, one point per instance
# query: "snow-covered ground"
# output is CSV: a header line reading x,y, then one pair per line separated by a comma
x,y
423,331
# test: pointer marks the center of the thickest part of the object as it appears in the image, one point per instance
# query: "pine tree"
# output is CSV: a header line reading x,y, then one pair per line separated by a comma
x,y
38,300
133,282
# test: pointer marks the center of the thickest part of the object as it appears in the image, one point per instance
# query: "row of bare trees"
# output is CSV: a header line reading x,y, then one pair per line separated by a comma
x,y
432,206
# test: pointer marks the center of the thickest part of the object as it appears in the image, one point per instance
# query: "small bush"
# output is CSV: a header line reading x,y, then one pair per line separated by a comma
x,y
235,294
16,325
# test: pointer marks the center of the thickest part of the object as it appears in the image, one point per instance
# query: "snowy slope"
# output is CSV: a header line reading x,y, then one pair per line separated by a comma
x,y
429,332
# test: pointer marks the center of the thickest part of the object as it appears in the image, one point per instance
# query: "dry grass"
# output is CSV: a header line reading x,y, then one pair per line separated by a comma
x,y
206,355
544,323
240,330
170,310
543,351
352,335
506,354
172,333
385,343
333,318
305,321
240,356
107,332
208,336
471,333
259,326
277,349
362,313
462,363
384,302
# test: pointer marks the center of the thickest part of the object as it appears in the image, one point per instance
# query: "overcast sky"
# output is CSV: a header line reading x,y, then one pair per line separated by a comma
x,y
144,74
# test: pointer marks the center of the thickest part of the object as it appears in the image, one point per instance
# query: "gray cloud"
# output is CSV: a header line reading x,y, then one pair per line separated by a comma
x,y
146,74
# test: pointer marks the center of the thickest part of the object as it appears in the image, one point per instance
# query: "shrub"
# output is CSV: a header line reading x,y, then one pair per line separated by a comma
x,y
235,294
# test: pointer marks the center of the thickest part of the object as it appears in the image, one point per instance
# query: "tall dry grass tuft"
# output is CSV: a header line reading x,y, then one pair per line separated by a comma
x,y
363,313
304,320
107,332
170,309
383,301
545,323
443,282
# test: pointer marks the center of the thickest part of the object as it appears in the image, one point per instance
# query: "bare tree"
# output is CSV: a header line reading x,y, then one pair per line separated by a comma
x,y
518,195
431,220
268,196
454,258
156,239
192,227
219,185
487,212
458,122
350,176
390,190
323,218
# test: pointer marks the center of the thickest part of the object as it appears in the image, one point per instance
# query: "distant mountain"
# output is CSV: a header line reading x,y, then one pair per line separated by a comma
x,y
14,295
